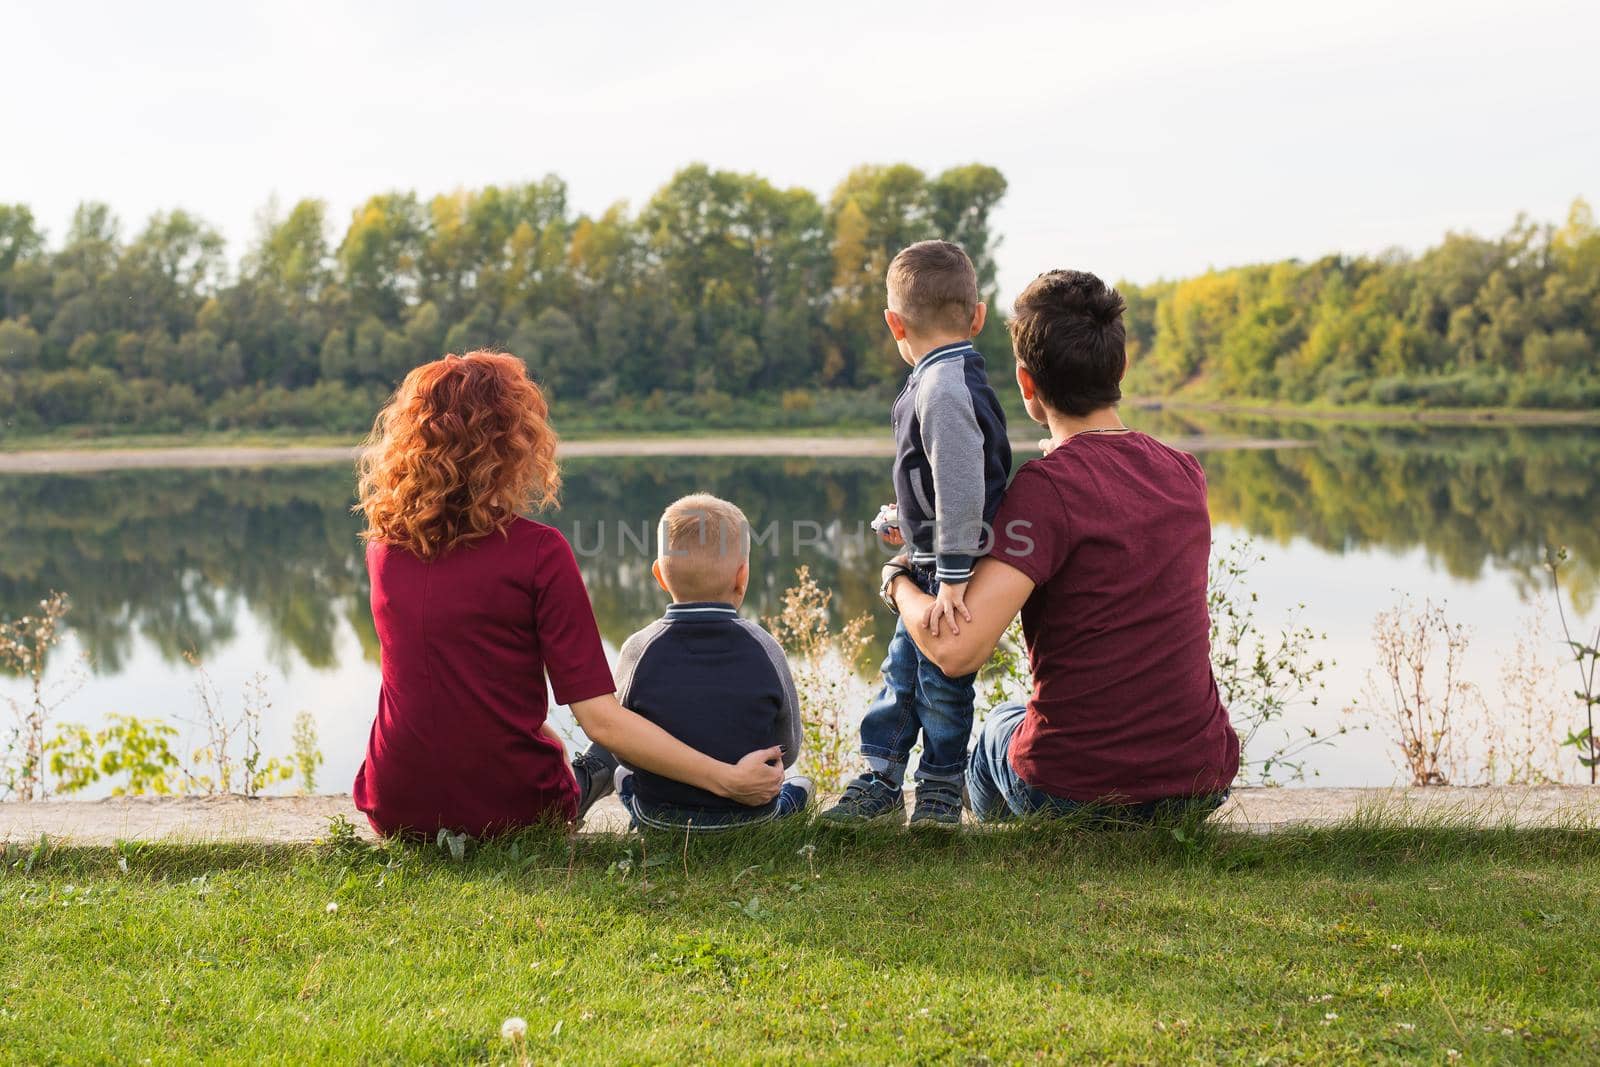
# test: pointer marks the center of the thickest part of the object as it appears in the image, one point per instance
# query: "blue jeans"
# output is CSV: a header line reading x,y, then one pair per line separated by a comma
x,y
916,698
995,792
792,799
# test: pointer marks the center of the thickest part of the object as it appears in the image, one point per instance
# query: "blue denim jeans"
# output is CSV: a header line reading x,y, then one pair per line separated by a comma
x,y
995,792
792,799
916,698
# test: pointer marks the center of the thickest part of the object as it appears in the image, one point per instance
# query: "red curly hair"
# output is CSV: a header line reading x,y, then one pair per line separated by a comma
x,y
462,447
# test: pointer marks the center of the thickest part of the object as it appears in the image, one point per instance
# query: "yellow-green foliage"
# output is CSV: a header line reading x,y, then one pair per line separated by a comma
x,y
1471,322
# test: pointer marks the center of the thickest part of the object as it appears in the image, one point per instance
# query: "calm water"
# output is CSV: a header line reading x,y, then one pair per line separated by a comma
x,y
261,571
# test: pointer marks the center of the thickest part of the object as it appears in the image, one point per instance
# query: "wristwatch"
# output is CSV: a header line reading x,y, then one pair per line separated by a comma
x,y
892,570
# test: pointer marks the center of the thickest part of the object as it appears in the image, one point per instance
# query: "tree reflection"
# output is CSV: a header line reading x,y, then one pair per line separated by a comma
x,y
176,557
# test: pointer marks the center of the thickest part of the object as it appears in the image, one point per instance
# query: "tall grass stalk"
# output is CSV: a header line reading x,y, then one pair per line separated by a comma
x,y
1425,713
1585,656
823,660
25,645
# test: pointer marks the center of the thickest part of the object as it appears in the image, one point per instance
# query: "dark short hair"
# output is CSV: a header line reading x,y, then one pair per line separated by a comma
x,y
933,286
1067,331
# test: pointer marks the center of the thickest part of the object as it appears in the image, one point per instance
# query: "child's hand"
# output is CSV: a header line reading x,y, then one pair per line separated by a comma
x,y
950,602
887,526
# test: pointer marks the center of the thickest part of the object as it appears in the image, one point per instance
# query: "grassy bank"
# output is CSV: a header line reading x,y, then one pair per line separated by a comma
x,y
1368,413
1356,944
207,439
636,426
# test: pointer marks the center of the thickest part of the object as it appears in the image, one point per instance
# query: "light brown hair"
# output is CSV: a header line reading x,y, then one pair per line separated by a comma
x,y
702,541
463,445
933,287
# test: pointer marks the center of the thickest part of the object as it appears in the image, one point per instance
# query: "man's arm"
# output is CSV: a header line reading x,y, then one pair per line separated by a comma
x,y
994,596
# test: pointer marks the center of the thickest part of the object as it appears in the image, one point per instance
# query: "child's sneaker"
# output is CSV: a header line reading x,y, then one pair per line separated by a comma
x,y
870,798
938,805
593,768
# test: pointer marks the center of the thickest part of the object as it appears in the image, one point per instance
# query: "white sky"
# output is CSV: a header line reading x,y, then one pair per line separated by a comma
x,y
1140,139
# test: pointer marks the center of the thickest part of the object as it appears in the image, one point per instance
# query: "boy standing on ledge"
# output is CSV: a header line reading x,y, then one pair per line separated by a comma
x,y
952,460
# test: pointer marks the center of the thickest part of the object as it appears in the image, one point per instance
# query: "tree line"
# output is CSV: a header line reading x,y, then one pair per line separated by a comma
x,y
722,285
1472,322
723,300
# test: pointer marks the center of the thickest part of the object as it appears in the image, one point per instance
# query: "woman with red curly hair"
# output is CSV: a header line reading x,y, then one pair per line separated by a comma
x,y
474,605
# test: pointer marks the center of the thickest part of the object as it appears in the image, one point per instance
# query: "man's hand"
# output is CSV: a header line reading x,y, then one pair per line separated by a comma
x,y
891,536
950,603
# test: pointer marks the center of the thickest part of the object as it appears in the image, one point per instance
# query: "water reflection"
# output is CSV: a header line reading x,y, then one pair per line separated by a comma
x,y
176,557
1473,498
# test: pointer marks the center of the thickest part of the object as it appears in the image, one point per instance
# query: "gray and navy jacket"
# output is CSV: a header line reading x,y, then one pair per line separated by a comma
x,y
952,460
716,682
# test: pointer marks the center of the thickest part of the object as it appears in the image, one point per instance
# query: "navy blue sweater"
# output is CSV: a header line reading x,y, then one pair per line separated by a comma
x,y
952,459
716,682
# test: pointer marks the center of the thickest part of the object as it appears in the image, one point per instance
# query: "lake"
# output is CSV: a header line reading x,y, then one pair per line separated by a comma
x,y
260,570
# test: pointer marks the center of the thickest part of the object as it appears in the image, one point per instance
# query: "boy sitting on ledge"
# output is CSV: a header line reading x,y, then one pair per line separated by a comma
x,y
713,680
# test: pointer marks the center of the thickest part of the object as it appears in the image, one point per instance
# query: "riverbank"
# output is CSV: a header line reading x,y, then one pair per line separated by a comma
x,y
1324,414
824,446
304,820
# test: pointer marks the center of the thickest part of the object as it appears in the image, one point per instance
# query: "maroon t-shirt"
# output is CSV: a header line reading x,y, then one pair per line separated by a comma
x,y
1114,532
466,641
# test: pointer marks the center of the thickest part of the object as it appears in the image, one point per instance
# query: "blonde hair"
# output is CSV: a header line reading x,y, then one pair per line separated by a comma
x,y
701,542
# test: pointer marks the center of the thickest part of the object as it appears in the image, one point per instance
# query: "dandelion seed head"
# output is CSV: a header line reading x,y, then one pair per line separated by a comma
x,y
514,1029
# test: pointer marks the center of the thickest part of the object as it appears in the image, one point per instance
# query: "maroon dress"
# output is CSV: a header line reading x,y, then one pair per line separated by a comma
x,y
467,640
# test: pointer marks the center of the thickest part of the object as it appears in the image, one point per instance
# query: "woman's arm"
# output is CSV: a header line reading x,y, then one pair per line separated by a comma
x,y
995,594
754,780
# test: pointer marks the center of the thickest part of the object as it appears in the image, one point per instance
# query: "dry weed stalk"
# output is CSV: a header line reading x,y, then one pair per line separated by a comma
x,y
827,682
1522,739
25,645
1425,718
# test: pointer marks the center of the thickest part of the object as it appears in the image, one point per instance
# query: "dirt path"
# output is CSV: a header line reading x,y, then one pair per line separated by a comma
x,y
83,461
299,820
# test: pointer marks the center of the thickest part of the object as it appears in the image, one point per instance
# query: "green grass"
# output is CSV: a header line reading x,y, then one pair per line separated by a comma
x,y
1357,944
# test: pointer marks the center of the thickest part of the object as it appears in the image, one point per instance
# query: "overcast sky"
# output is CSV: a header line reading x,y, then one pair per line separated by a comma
x,y
1140,140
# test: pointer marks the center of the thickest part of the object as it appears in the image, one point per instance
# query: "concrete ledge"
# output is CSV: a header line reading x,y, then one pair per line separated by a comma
x,y
300,820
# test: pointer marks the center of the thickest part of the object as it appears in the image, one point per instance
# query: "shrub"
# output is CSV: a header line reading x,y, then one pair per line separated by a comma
x,y
798,400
